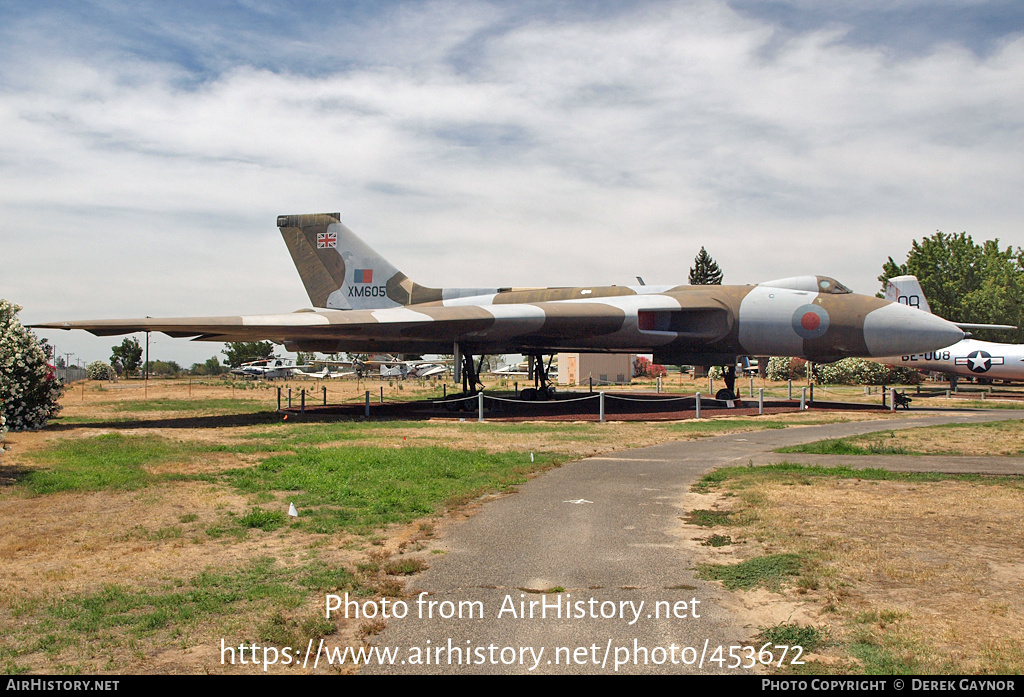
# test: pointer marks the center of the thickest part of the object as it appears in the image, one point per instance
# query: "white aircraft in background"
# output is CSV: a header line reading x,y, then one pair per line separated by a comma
x,y
268,368
325,373
969,357
391,367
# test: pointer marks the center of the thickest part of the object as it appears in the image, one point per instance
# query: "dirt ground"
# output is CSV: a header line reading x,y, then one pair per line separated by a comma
x,y
933,573
72,543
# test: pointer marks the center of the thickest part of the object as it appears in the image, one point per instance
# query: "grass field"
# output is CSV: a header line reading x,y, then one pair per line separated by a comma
x,y
906,573
149,522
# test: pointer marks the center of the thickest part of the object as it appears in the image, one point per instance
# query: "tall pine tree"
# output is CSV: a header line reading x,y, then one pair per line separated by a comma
x,y
705,271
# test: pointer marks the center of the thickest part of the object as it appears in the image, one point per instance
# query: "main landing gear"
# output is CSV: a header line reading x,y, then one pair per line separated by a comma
x,y
728,392
541,390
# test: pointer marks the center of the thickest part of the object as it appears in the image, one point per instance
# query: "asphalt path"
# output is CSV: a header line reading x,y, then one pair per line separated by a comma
x,y
595,541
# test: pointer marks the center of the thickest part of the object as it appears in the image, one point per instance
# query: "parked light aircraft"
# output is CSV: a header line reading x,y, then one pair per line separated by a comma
x,y
366,305
325,373
268,368
969,357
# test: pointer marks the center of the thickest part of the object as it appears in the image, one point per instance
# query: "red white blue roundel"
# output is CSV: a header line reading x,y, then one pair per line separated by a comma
x,y
810,321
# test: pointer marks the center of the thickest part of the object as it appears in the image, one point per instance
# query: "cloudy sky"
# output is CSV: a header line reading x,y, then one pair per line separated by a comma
x,y
146,148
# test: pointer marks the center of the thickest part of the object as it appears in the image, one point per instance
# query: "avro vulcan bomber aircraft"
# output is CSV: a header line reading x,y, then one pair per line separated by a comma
x,y
365,305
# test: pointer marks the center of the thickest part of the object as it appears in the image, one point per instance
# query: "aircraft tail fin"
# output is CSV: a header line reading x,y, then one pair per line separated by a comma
x,y
906,290
342,272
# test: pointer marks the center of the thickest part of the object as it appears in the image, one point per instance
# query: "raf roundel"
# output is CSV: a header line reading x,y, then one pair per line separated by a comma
x,y
810,321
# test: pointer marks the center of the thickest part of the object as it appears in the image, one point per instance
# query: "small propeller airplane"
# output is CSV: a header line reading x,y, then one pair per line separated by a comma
x,y
268,368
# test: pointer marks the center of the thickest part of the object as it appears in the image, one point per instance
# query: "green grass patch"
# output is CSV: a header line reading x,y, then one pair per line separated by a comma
x,y
264,520
717,541
789,472
880,443
358,489
110,461
706,518
404,567
768,571
884,442
792,634
90,624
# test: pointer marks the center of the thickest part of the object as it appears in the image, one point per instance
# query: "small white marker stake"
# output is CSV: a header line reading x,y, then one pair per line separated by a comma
x,y
531,457
291,511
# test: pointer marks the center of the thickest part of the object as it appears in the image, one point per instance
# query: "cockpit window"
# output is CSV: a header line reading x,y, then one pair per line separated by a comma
x,y
813,284
831,286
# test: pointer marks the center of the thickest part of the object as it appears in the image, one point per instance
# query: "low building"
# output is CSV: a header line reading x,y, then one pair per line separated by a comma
x,y
604,368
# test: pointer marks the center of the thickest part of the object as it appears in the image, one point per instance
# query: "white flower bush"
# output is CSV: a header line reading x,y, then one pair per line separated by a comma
x,y
29,391
98,370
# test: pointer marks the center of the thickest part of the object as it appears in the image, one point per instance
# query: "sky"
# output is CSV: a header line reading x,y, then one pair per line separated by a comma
x,y
146,148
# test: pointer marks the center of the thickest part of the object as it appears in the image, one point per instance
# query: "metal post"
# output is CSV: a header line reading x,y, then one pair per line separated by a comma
x,y
279,399
892,399
591,384
600,410
947,394
790,389
711,386
303,394
382,394
367,411
751,387
479,406
697,404
289,398
325,396
803,398
659,384
760,401
812,393
883,396
444,388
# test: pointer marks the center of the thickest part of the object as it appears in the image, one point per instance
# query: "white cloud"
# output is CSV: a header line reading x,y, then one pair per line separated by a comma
x,y
476,147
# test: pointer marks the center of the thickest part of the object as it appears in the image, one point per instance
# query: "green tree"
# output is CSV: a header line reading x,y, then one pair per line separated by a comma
x,y
705,271
239,352
967,282
29,391
129,353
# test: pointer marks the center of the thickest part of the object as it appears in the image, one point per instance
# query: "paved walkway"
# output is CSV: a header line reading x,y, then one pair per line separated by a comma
x,y
597,535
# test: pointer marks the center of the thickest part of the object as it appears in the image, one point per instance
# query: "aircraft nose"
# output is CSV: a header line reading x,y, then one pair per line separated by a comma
x,y
899,330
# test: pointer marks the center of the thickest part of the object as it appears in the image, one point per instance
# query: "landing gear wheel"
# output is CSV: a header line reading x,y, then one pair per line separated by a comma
x,y
725,395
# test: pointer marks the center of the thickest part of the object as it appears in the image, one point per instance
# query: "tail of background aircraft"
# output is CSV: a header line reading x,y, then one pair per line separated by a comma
x,y
906,290
342,272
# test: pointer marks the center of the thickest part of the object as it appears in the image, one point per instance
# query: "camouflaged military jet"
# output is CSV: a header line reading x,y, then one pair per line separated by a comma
x,y
366,305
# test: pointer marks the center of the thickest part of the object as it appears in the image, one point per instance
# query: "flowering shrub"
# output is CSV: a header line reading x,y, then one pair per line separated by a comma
x,y
643,368
98,370
29,391
849,371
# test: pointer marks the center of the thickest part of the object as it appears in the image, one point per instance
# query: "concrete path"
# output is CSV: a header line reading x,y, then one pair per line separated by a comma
x,y
598,536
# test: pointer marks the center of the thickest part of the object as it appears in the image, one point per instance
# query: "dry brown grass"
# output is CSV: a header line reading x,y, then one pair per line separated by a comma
x,y
65,544
931,572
